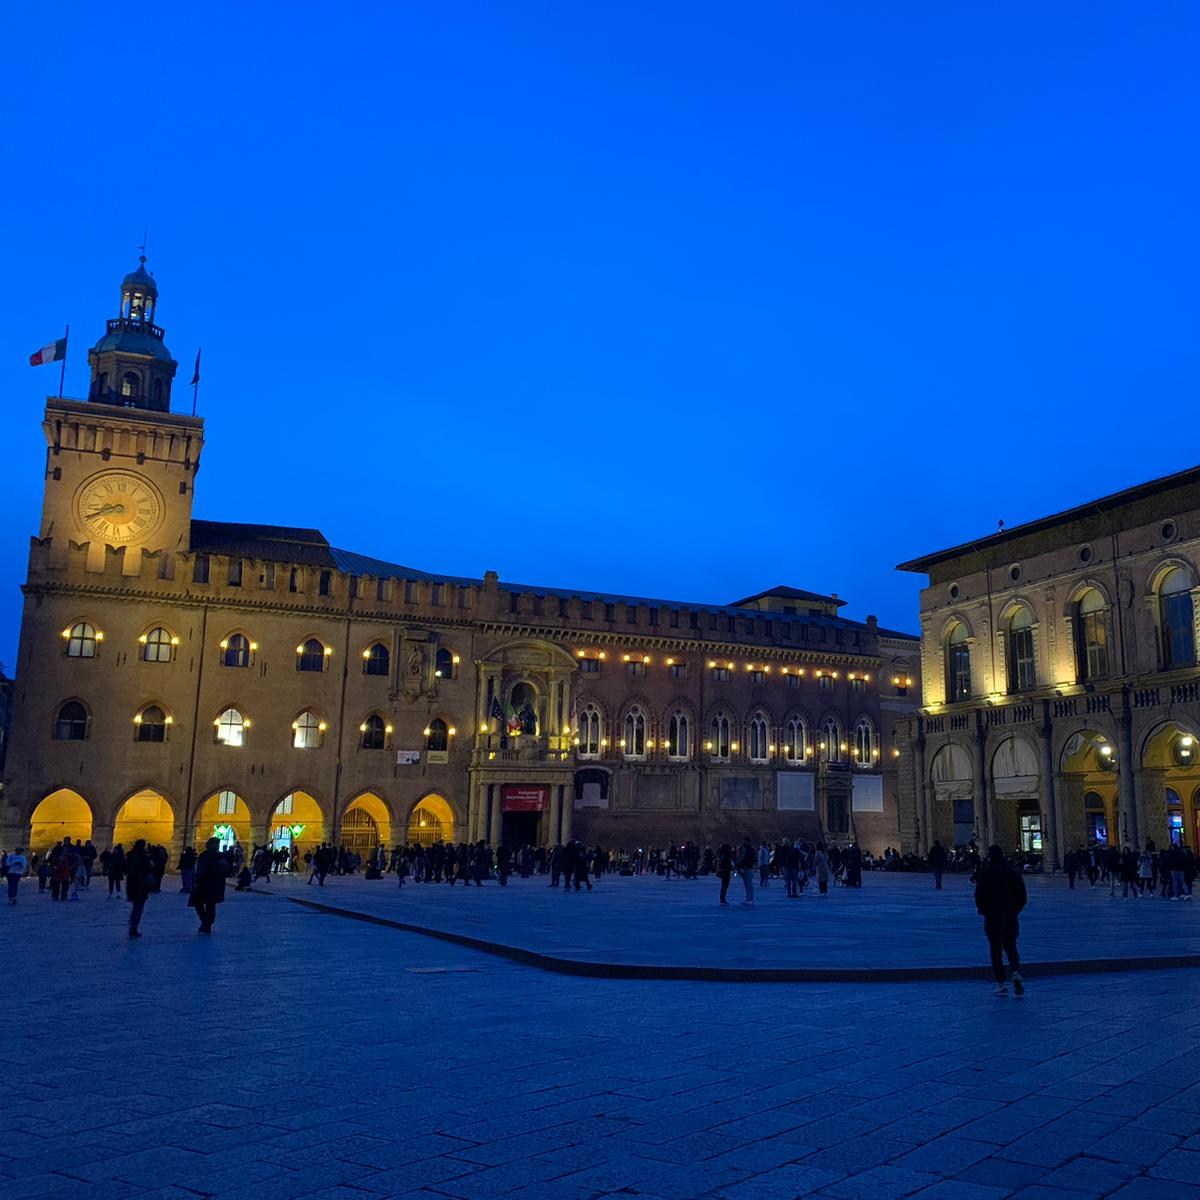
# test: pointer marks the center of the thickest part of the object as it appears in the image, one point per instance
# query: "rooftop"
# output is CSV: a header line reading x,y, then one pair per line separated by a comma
x,y
1105,504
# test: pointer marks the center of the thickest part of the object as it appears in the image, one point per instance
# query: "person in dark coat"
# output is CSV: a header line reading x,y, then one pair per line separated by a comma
x,y
481,864
503,862
725,869
1000,896
938,861
116,871
139,881
208,888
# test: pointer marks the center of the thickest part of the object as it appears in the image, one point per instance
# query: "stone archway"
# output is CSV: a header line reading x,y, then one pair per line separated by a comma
x,y
225,816
146,815
955,818
297,820
1170,785
1088,769
1018,820
431,820
366,825
63,813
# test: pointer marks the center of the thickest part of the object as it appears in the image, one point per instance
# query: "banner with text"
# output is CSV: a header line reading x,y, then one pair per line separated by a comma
x,y
523,798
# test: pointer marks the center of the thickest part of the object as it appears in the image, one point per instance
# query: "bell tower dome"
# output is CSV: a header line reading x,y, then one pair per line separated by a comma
x,y
131,366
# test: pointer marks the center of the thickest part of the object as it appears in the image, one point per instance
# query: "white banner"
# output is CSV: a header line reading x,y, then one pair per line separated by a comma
x,y
795,791
868,793
407,758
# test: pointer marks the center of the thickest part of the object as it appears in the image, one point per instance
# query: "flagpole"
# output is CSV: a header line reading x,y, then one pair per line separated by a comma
x,y
62,375
196,382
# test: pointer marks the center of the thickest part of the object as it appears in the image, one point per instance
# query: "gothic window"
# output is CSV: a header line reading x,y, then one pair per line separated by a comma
x,y
831,741
1175,619
443,664
437,736
958,664
679,736
310,656
231,728
71,724
591,728
158,646
759,746
374,733
81,640
795,742
376,659
633,743
864,744
307,731
719,743
151,724
1019,651
1091,636
235,651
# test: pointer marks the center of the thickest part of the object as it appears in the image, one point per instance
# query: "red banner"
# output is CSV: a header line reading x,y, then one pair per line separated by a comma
x,y
518,798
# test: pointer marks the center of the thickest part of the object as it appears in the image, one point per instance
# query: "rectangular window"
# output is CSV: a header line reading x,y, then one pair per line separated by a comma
x,y
464,597
636,667
294,580
410,591
792,680
564,607
589,666
731,624
679,670
353,587
610,612
631,614
514,602
200,569
235,572
586,610
325,583
267,579
825,682
381,591
1179,647
226,804
858,685
720,674
653,616
539,606
285,807
673,619
435,595
1020,660
958,672
758,678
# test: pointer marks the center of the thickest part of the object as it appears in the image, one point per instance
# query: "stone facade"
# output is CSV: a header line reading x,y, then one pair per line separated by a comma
x,y
1062,696
177,675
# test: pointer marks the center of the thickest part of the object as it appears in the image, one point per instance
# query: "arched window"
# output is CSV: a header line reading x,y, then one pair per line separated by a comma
x,y
633,743
310,656
1019,651
158,391
81,640
1091,637
443,664
759,746
376,659
679,745
374,733
235,651
231,728
129,385
151,724
71,724
307,731
158,646
1175,619
719,743
958,664
864,744
831,741
437,736
590,732
795,741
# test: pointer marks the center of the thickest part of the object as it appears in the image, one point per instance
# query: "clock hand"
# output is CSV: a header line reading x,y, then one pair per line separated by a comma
x,y
108,508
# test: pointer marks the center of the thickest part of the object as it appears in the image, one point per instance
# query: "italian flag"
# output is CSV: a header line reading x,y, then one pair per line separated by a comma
x,y
49,353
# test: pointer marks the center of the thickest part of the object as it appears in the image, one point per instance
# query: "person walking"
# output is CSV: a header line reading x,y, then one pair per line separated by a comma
x,y
999,898
1129,874
138,871
187,870
791,869
764,863
116,871
821,869
725,869
503,862
208,888
745,868
1071,866
15,866
938,861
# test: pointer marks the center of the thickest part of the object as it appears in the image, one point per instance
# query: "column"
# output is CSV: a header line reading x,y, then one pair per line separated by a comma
x,y
494,828
1051,847
1130,820
554,815
925,833
567,810
982,799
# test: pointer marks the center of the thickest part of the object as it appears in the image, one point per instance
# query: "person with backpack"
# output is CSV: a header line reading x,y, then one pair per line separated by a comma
x,y
15,866
747,861
999,897
138,881
208,888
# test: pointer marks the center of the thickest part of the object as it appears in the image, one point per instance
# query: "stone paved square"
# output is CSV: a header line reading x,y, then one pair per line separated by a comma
x,y
301,1054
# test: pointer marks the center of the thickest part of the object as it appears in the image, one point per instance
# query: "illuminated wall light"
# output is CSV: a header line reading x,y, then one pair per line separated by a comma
x,y
224,644
645,658
387,729
749,666
733,746
667,747
581,654
66,633
711,665
866,679
604,741
99,636
895,681
708,745
425,731
321,726
137,720
626,657
452,731
767,670
367,652
168,719
142,639
650,743
908,682
895,753
363,727
602,654
246,723
299,649
770,747
174,641
253,646
670,662
437,674
729,666
844,747
328,649
834,674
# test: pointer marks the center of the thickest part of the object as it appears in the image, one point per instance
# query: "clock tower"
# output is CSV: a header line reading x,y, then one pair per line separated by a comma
x,y
120,466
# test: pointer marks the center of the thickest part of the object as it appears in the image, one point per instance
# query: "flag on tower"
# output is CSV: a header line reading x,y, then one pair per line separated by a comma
x,y
51,352
196,372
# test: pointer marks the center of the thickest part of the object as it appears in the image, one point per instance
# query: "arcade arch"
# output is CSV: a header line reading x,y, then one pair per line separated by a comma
x,y
431,820
63,813
146,814
296,820
225,816
1088,783
1171,785
366,825
953,792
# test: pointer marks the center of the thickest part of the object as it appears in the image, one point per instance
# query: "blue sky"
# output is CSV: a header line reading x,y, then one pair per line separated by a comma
x,y
682,300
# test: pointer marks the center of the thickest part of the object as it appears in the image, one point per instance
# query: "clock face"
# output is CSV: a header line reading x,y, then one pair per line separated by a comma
x,y
117,507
